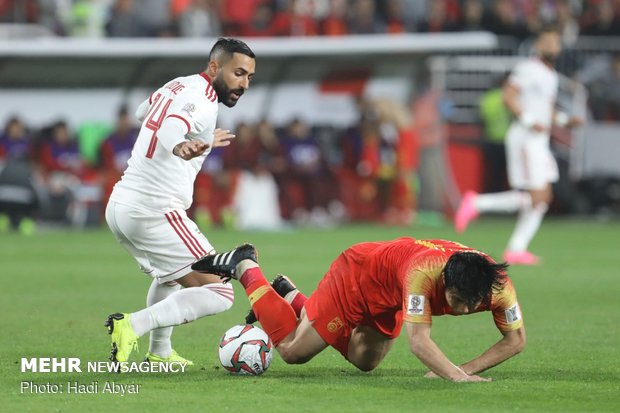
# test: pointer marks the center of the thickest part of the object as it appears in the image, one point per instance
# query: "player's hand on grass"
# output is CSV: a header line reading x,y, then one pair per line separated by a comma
x,y
222,137
473,379
432,375
190,149
466,378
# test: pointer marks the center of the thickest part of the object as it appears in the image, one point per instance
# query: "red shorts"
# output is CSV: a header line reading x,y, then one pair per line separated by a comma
x,y
329,322
337,306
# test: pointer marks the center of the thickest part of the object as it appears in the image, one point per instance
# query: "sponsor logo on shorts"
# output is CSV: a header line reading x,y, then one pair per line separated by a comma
x,y
416,304
335,325
513,314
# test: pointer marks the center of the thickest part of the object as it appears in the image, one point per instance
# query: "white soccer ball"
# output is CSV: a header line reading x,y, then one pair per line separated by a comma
x,y
245,349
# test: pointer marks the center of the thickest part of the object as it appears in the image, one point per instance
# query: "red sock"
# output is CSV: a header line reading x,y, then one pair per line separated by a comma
x,y
298,303
276,316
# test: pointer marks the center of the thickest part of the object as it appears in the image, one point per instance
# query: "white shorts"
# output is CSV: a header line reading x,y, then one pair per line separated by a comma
x,y
531,164
164,244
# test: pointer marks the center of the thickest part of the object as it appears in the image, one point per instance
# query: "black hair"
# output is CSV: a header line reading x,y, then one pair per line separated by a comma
x,y
473,276
60,123
12,120
225,47
123,110
552,28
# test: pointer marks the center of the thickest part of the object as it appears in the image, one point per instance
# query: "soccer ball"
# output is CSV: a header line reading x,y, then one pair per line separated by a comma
x,y
245,349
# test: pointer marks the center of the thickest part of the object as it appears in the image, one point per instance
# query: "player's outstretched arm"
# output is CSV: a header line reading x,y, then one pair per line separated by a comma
x,y
430,354
511,95
222,137
190,149
511,344
563,120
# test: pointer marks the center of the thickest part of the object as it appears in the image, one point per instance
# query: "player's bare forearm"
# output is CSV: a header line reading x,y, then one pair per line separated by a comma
x,y
190,149
431,355
222,137
427,351
574,122
563,120
511,100
510,345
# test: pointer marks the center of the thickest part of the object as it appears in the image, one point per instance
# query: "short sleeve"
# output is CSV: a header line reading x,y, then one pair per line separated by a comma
x,y
505,308
520,75
416,298
197,113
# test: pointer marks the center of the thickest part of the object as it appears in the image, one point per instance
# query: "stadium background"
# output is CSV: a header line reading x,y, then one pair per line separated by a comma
x,y
366,118
359,112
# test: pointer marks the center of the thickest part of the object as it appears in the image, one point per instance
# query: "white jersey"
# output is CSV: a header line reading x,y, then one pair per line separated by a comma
x,y
531,164
155,178
538,87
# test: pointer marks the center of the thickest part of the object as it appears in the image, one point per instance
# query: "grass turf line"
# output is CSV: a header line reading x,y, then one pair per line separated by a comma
x,y
58,287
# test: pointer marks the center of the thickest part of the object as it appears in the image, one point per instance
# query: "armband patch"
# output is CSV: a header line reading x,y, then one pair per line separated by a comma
x,y
415,304
513,314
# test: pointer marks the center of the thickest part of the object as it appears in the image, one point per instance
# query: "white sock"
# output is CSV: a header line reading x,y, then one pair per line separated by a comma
x,y
160,343
182,307
291,295
527,225
508,201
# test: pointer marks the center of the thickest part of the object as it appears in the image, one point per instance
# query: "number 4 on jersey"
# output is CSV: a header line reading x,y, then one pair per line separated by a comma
x,y
154,119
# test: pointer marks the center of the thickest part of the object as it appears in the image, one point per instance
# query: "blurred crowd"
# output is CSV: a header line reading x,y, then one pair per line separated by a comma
x,y
297,173
201,18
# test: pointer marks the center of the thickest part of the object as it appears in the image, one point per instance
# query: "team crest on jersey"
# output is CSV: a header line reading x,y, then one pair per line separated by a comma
x,y
416,304
513,314
189,108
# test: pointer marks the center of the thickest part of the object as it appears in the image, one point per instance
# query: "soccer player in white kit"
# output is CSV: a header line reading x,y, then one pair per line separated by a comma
x,y
530,95
146,211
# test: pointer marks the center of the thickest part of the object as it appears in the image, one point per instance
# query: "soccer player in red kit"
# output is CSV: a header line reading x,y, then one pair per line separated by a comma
x,y
369,290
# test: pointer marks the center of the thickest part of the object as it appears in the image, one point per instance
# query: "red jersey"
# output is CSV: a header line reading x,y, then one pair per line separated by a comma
x,y
382,283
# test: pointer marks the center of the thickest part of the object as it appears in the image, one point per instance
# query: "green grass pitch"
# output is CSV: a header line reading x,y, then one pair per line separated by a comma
x,y
58,287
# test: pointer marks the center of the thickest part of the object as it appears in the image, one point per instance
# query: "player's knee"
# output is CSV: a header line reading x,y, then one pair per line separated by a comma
x,y
225,292
367,365
228,299
542,205
290,356
365,360
541,197
228,303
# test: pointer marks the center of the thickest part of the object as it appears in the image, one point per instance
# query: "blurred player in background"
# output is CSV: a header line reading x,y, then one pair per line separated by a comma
x,y
360,304
146,211
530,95
116,150
18,190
